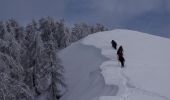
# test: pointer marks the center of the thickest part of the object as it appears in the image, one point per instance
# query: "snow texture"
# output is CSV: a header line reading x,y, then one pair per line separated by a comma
x,y
93,72
82,73
146,72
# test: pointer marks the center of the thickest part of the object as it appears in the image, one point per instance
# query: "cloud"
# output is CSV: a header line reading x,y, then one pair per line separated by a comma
x,y
125,8
113,13
79,9
25,10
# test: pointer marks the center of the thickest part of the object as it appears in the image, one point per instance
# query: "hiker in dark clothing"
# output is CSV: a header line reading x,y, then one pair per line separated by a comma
x,y
114,44
120,51
122,60
120,56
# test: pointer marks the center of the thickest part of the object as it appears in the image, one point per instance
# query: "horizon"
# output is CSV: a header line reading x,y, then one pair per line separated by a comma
x,y
149,16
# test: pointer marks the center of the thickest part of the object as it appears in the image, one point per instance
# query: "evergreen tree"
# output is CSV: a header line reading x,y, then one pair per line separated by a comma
x,y
79,31
29,65
62,34
58,30
100,28
12,86
48,28
49,69
11,72
29,56
2,30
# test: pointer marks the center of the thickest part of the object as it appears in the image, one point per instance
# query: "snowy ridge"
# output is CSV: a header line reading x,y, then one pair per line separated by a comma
x,y
114,75
83,77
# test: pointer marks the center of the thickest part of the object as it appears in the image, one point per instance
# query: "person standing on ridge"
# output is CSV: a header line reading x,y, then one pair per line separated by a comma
x,y
120,56
114,44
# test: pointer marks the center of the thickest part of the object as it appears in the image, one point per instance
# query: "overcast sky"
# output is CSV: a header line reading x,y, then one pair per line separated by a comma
x,y
113,13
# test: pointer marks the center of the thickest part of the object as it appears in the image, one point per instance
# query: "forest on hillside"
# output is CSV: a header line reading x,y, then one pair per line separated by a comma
x,y
29,65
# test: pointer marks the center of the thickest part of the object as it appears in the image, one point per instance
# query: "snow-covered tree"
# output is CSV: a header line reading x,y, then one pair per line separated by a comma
x,y
79,31
2,30
12,86
12,73
56,71
49,70
16,30
29,56
57,29
62,34
44,71
100,28
48,28
29,65
14,39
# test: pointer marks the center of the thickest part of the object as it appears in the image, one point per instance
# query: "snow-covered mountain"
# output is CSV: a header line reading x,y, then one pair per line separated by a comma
x,y
93,73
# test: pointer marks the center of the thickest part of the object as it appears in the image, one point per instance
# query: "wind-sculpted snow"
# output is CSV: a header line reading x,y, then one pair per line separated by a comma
x,y
82,72
146,72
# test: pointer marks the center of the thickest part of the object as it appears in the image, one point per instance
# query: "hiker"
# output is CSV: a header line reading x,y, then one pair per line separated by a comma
x,y
120,51
114,44
120,56
122,61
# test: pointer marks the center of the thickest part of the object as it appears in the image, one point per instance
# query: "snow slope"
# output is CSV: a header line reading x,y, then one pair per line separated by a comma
x,y
82,73
145,77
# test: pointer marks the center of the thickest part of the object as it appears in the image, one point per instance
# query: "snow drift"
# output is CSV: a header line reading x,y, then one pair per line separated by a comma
x,y
93,72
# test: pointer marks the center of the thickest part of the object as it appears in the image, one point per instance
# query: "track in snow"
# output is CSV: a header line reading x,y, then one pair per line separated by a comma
x,y
126,86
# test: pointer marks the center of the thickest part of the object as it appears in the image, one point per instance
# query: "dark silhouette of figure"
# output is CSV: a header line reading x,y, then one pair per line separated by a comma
x,y
114,44
122,61
120,56
120,51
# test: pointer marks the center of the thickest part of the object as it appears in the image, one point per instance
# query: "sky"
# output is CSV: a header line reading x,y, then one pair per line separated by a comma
x,y
152,16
